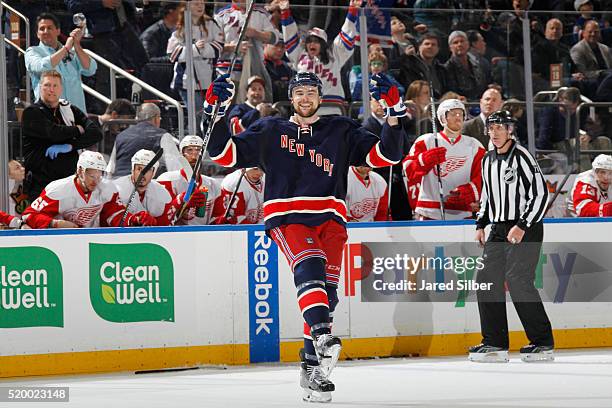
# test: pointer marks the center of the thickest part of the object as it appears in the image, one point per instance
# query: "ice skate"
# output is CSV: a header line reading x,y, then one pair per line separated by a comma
x,y
532,353
316,387
483,353
328,349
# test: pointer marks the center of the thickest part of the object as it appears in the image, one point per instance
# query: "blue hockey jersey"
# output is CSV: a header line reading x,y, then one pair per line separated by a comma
x,y
306,166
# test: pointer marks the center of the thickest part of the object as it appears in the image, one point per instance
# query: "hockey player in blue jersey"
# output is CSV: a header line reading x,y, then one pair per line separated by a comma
x,y
306,160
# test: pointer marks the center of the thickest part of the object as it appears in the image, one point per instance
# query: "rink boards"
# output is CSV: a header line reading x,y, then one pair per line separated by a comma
x,y
99,300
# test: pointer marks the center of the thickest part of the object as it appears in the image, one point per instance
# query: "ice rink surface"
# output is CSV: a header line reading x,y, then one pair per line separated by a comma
x,y
577,378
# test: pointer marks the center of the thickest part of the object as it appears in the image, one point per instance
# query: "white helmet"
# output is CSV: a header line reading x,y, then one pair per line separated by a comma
x,y
448,105
91,160
190,140
603,161
143,157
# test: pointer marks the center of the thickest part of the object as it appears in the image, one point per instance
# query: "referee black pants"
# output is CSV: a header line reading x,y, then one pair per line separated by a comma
x,y
514,264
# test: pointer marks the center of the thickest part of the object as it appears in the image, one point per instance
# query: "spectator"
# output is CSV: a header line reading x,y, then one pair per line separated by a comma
x,y
112,23
144,135
424,65
82,200
314,55
151,196
247,207
176,183
279,71
591,194
591,57
243,115
207,47
604,94
429,20
260,31
418,105
403,43
117,109
552,127
550,50
367,195
53,131
463,72
377,65
517,110
155,38
490,101
49,54
478,50
585,8
19,200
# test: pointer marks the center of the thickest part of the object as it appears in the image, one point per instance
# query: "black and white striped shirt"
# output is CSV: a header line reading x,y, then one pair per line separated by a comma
x,y
513,188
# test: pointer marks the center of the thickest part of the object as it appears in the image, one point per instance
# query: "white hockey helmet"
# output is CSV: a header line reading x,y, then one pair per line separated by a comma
x,y
448,105
143,157
603,162
190,140
91,160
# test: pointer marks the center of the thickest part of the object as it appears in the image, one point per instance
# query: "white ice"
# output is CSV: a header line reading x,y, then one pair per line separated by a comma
x,y
577,378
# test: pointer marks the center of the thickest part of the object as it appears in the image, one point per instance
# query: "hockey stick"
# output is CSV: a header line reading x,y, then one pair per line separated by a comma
x,y
213,119
234,193
434,128
144,171
558,190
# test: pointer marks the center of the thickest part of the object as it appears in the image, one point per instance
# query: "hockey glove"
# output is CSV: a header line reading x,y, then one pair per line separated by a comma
x,y
606,210
198,198
461,197
221,91
143,219
387,95
16,223
428,159
54,150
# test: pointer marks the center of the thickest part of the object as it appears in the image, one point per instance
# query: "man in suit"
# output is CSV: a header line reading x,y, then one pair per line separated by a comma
x,y
490,101
590,56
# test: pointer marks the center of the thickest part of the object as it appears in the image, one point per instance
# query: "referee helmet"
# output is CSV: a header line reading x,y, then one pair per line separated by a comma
x,y
501,117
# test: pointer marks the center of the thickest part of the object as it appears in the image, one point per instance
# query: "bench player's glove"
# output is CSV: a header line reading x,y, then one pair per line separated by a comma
x,y
461,197
606,210
387,95
141,218
198,198
221,91
431,157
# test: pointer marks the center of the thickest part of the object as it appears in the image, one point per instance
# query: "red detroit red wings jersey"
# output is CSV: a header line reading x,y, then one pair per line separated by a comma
x,y
366,200
64,199
306,171
462,166
588,200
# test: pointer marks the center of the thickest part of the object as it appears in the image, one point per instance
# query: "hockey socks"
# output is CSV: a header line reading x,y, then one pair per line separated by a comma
x,y
309,279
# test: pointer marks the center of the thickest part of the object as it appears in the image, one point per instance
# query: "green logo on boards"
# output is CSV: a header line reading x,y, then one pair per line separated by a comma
x,y
131,282
31,292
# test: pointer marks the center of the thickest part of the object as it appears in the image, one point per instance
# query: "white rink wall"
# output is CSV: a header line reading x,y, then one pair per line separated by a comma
x,y
223,295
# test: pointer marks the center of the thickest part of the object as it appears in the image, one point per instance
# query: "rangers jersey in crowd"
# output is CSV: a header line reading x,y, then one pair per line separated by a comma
x,y
341,50
588,199
155,200
204,58
176,182
367,200
65,199
462,168
231,19
247,207
306,166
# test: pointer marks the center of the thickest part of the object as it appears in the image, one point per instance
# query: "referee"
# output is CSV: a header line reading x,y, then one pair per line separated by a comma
x,y
513,200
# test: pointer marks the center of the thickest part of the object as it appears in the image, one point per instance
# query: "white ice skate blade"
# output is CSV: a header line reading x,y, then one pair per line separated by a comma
x,y
538,357
316,396
493,357
329,363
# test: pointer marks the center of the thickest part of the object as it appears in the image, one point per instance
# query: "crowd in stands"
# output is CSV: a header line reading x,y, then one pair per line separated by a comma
x,y
471,56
